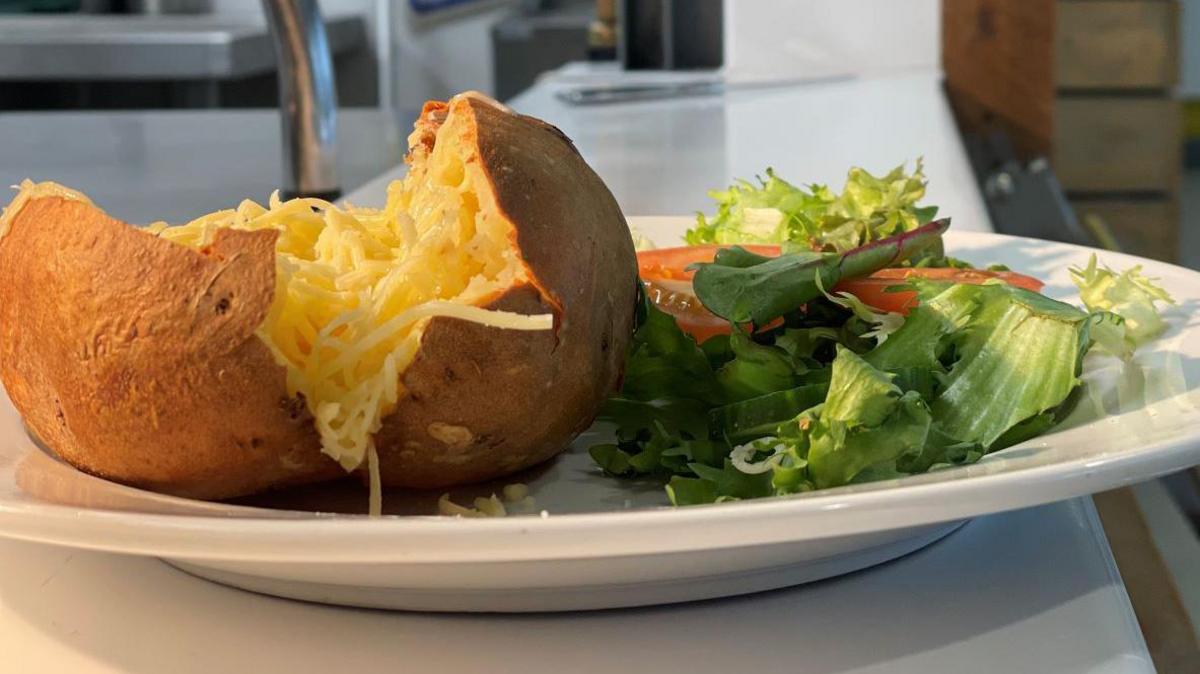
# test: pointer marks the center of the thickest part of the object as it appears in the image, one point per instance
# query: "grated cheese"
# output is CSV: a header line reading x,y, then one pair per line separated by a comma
x,y
484,507
375,499
356,286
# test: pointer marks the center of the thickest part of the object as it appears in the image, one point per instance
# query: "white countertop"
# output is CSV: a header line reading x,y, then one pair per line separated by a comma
x,y
662,157
1030,591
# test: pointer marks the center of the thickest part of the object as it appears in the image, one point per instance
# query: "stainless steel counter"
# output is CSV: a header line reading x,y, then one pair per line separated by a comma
x,y
77,47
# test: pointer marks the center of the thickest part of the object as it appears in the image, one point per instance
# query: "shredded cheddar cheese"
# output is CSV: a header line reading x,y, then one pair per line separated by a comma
x,y
356,286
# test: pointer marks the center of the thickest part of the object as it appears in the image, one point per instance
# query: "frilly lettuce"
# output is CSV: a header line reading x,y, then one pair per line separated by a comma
x,y
883,323
814,217
866,420
1018,357
804,399
1127,294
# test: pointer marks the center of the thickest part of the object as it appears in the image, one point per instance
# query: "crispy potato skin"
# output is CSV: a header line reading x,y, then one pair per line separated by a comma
x,y
482,402
135,358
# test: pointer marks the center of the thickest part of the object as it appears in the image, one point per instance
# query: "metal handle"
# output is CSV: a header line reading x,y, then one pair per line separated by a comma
x,y
307,98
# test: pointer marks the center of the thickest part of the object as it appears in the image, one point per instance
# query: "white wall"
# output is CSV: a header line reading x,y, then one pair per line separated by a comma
x,y
813,38
435,56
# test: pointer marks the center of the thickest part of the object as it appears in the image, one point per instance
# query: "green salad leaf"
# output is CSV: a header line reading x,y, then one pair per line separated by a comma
x,y
1019,356
920,342
743,287
865,420
822,390
755,370
814,217
1128,294
663,360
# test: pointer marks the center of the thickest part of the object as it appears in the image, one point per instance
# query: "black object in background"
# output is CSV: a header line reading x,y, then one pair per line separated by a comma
x,y
1026,199
671,34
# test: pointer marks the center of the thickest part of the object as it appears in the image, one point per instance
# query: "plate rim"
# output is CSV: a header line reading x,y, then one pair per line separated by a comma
x,y
269,539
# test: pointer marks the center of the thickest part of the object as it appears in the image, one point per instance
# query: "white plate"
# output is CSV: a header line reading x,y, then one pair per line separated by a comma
x,y
607,543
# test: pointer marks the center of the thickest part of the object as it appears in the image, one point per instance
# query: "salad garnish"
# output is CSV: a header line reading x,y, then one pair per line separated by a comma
x,y
839,366
814,217
741,286
1130,296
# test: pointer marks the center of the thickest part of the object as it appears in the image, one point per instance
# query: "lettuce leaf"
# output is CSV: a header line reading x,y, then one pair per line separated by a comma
x,y
664,361
882,323
1019,356
814,217
755,370
743,287
1129,295
919,343
864,421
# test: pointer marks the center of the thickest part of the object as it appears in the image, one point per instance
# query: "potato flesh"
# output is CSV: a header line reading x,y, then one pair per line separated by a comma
x,y
356,286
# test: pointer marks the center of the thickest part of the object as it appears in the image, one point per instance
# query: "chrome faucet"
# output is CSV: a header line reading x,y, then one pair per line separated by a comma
x,y
307,98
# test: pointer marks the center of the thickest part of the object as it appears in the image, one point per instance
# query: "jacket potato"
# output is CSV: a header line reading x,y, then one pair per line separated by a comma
x,y
468,329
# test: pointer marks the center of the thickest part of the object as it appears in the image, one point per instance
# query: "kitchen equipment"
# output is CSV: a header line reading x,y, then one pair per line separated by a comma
x,y
307,98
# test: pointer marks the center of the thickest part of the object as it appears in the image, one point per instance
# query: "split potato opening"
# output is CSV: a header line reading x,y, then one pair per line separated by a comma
x,y
465,330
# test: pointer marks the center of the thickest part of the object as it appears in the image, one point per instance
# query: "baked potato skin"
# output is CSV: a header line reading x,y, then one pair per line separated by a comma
x,y
484,403
135,358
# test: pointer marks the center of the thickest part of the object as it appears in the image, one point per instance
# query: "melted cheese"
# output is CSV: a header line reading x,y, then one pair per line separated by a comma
x,y
355,288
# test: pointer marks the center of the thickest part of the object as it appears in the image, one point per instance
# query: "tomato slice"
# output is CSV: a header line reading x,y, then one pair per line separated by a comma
x,y
873,289
677,298
669,285
672,263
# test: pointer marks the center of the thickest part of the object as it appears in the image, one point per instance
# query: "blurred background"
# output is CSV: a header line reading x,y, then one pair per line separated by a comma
x,y
1079,121
1108,91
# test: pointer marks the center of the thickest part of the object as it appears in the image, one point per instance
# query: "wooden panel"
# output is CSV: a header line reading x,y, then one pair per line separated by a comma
x,y
1161,614
1117,144
1146,227
1115,44
998,57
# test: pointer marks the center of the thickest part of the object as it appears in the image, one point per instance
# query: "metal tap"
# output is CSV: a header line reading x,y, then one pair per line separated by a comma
x,y
307,98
